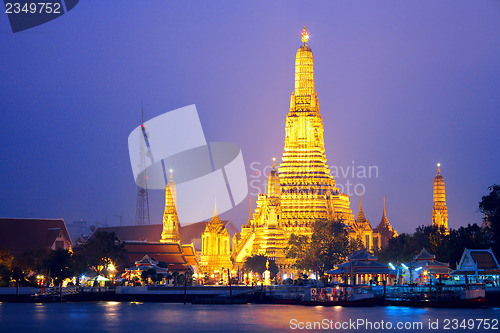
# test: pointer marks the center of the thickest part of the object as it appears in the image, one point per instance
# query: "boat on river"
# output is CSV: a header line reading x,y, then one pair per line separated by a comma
x,y
465,295
339,295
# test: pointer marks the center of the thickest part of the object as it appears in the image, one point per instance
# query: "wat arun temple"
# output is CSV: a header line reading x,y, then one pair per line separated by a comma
x,y
300,191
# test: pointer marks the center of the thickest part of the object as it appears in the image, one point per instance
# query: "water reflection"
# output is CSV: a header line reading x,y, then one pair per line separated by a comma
x,y
114,316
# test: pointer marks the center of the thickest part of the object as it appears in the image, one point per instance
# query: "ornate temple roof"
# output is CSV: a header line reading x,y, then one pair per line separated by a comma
x,y
361,220
361,255
478,262
424,255
385,225
215,225
428,261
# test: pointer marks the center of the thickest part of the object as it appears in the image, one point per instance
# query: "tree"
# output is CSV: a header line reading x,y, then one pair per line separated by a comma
x,y
35,260
490,205
144,276
60,265
329,245
6,262
79,265
299,250
175,276
258,262
102,249
447,248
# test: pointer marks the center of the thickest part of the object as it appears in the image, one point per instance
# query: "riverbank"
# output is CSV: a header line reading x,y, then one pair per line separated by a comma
x,y
176,294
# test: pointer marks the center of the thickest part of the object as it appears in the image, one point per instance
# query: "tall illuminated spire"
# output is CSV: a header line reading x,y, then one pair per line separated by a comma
x,y
304,70
307,188
170,233
439,208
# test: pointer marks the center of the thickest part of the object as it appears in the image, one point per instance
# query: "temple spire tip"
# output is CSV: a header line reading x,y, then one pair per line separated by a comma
x,y
305,35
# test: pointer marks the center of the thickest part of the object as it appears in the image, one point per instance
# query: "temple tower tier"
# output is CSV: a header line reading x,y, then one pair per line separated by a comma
x,y
439,208
170,233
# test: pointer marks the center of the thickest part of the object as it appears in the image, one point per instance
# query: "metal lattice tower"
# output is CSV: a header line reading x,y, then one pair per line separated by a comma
x,y
142,206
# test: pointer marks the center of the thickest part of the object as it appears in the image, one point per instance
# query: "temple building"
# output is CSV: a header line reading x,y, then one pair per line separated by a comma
x,y
425,267
302,190
363,230
439,209
170,233
216,251
263,234
385,231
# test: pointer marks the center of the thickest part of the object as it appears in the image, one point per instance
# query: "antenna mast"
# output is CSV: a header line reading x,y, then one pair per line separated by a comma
x,y
142,206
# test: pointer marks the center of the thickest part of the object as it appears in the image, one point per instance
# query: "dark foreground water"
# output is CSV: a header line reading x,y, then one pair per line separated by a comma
x,y
171,317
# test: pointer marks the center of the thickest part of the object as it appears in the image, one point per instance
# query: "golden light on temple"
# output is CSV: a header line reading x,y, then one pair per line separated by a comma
x,y
170,232
301,190
216,251
439,208
305,35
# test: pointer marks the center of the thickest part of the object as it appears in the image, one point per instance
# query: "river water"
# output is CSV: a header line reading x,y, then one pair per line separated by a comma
x,y
174,317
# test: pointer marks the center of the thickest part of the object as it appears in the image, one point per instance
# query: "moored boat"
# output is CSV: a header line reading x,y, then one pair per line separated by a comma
x,y
448,296
340,295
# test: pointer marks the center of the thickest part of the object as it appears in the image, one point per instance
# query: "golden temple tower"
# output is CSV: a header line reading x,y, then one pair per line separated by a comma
x,y
216,252
302,190
170,233
385,230
363,229
439,209
308,190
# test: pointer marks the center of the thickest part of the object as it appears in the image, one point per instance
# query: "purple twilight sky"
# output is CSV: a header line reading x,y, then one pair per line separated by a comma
x,y
402,85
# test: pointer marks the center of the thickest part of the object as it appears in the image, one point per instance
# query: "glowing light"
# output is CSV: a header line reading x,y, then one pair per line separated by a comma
x,y
392,266
404,266
439,165
418,269
111,267
305,35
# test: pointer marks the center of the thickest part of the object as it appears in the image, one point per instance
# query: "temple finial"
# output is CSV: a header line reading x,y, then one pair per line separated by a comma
x,y
360,205
215,211
171,171
274,162
250,214
305,35
439,168
384,206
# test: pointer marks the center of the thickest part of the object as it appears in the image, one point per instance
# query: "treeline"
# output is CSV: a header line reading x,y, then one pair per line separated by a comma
x,y
98,254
